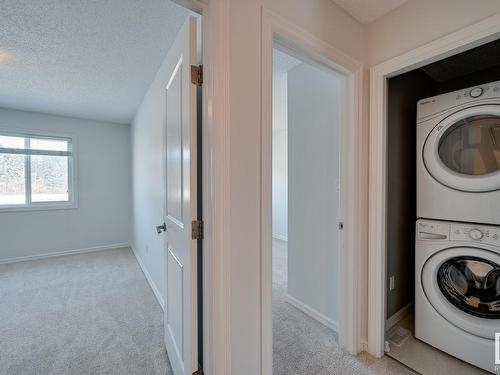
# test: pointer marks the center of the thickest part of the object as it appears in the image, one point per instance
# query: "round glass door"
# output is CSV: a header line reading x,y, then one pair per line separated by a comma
x,y
472,284
463,285
463,150
471,146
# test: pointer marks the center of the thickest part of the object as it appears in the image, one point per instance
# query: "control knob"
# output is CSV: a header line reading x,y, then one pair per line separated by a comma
x,y
476,234
477,92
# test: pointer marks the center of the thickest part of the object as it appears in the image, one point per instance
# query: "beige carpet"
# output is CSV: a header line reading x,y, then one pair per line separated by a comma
x,y
80,314
302,345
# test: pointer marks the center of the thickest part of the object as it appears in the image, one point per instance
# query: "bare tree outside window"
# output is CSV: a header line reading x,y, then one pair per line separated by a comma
x,y
34,170
12,179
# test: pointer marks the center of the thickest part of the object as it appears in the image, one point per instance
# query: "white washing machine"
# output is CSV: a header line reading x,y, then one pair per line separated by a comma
x,y
457,289
458,155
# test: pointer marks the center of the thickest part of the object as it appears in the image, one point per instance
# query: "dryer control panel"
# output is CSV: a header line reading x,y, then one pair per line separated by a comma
x,y
475,233
468,96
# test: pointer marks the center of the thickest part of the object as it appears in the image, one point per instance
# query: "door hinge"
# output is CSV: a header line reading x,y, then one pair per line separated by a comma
x,y
197,74
341,225
197,230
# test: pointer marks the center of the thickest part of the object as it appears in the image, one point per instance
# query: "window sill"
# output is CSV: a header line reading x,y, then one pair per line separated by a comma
x,y
39,207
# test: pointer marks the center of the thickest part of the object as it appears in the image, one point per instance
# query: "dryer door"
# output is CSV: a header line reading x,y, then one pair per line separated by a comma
x,y
463,286
463,150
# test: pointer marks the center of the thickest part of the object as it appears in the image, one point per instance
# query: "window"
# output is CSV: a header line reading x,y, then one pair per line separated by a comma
x,y
36,172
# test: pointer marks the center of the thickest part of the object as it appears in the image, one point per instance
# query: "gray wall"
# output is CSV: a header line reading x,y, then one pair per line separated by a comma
x,y
404,91
148,157
103,216
313,174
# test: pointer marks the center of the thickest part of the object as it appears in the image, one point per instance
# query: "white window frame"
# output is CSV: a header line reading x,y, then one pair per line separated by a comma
x,y
72,202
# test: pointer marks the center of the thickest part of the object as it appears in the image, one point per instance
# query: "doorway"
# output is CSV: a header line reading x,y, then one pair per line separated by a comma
x,y
306,155
410,132
466,39
298,43
307,49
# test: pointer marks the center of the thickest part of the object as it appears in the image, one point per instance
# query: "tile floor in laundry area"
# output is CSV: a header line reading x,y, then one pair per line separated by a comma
x,y
425,358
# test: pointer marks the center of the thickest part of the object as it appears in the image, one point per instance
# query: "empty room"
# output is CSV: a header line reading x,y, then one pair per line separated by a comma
x,y
89,284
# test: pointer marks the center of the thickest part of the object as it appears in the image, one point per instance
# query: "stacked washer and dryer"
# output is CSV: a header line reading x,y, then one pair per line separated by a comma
x,y
457,251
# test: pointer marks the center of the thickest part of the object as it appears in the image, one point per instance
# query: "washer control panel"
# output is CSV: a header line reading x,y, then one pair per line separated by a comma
x,y
430,230
474,233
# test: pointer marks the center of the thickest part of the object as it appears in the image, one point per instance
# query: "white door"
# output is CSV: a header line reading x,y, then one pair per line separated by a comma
x,y
181,204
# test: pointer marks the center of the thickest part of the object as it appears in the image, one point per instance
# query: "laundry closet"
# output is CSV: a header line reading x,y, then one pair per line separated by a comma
x,y
457,205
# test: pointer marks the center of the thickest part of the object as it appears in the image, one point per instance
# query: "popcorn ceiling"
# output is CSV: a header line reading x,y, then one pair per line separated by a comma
x,y
83,58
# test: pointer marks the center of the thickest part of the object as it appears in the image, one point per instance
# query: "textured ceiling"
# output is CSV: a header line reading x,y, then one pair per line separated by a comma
x,y
366,11
83,58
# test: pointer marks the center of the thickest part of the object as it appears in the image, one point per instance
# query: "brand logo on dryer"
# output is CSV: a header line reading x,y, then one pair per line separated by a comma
x,y
423,102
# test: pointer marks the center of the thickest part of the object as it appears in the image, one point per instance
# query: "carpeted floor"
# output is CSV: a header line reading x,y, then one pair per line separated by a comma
x,y
80,314
301,345
96,314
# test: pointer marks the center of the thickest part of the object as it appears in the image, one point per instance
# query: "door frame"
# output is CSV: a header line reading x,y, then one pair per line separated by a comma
x,y
215,180
276,29
469,37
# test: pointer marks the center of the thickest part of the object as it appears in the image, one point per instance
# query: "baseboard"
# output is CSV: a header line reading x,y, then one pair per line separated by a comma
x,y
66,252
313,313
280,237
152,284
398,316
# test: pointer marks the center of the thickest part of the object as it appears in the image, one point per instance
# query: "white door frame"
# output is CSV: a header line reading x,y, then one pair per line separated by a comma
x,y
215,127
462,40
276,29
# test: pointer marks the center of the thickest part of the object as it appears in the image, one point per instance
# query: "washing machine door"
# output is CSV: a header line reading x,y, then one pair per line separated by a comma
x,y
463,150
463,286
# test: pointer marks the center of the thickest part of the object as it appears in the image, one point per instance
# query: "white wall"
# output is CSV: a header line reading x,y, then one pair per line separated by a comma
x,y
314,121
280,156
331,24
418,22
327,22
103,216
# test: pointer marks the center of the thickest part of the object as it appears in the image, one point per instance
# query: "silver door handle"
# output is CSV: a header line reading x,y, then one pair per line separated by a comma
x,y
161,228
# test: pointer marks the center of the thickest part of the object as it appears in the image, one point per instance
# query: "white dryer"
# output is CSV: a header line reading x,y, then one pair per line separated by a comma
x,y
458,155
457,289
